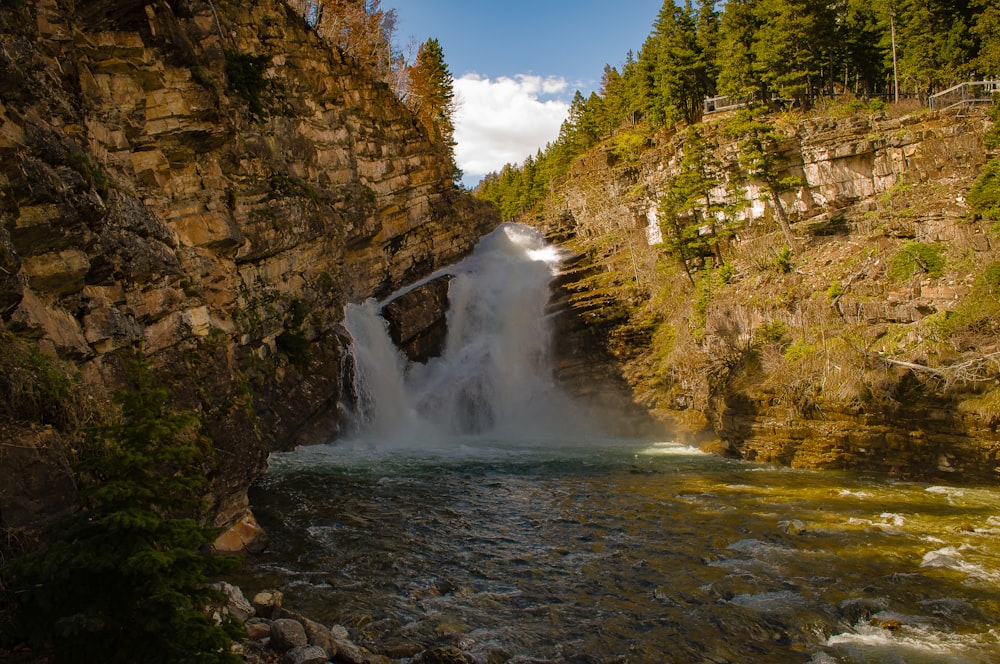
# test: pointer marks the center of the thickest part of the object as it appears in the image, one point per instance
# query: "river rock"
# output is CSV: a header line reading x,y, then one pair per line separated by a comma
x,y
348,653
267,602
305,655
287,634
258,629
236,605
442,655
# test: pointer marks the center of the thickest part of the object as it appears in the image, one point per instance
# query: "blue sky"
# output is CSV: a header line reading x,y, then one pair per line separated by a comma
x,y
517,63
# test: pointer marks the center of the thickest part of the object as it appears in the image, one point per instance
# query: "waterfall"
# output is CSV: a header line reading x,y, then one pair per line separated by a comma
x,y
494,377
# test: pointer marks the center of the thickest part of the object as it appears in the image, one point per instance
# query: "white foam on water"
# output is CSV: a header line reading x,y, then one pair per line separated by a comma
x,y
913,642
672,449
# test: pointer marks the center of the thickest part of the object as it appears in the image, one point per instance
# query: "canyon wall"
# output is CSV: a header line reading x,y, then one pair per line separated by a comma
x,y
204,185
824,356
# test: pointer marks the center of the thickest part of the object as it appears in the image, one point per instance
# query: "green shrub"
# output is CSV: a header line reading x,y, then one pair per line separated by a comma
x,y
916,257
799,350
835,290
772,332
39,388
124,579
629,145
876,105
984,196
783,261
726,272
978,313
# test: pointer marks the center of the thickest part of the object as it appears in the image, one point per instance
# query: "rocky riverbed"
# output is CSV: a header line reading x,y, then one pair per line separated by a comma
x,y
276,634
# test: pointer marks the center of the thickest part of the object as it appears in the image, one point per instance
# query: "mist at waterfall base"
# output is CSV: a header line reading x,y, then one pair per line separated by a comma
x,y
493,380
472,506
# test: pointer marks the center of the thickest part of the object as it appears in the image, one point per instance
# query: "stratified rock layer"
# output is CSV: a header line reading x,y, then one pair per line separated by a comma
x,y
153,200
819,362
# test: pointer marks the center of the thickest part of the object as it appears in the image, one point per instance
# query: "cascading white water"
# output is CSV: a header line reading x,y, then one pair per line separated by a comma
x,y
494,376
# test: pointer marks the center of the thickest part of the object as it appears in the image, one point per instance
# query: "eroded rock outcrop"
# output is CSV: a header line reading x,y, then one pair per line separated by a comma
x,y
827,356
152,199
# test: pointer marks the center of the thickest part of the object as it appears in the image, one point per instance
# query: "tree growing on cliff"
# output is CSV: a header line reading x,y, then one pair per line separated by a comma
x,y
761,161
687,212
984,196
124,579
432,96
359,28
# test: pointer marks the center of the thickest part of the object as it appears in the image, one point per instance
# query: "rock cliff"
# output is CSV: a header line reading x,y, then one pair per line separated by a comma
x,y
204,184
848,351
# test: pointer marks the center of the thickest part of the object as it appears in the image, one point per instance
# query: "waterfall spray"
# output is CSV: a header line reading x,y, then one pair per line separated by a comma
x,y
494,376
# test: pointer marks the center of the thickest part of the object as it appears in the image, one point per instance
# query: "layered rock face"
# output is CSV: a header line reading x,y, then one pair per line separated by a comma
x,y
816,362
207,184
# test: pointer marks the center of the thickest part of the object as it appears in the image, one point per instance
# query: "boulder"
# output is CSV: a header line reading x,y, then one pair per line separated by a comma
x,y
258,629
417,319
305,655
287,634
267,602
236,604
348,653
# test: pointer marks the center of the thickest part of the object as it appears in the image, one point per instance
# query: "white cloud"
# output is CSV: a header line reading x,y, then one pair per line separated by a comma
x,y
505,120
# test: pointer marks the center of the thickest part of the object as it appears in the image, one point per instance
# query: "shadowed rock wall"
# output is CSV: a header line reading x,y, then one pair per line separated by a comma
x,y
207,186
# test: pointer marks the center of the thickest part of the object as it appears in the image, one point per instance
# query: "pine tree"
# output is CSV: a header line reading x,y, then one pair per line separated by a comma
x,y
984,196
789,47
707,40
687,212
432,97
675,70
935,45
760,160
863,53
986,29
739,75
125,578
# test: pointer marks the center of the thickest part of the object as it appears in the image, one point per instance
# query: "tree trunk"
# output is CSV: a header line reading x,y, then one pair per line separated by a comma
x,y
779,213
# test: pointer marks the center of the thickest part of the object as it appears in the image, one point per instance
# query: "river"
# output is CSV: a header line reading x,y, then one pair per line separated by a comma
x,y
475,505
630,552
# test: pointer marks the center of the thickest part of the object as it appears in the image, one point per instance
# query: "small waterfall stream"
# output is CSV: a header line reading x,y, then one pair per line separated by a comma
x,y
494,377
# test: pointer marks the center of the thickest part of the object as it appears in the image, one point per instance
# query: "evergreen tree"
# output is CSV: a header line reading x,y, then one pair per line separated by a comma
x,y
986,29
789,47
687,213
707,41
125,579
432,97
862,53
739,76
984,197
935,45
760,160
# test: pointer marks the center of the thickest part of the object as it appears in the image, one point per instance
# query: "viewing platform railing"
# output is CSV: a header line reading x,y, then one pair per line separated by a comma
x,y
965,94
720,104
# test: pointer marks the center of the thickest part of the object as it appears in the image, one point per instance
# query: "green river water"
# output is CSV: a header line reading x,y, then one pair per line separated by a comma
x,y
628,551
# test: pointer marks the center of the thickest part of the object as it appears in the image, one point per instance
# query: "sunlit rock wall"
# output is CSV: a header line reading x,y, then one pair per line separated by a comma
x,y
870,184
